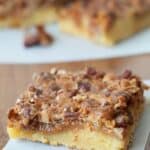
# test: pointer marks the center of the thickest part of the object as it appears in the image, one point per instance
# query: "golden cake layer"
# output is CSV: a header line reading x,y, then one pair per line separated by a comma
x,y
74,108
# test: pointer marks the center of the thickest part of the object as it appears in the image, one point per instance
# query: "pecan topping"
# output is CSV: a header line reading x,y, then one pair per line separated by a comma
x,y
39,92
90,72
73,93
122,96
126,74
31,40
85,86
107,112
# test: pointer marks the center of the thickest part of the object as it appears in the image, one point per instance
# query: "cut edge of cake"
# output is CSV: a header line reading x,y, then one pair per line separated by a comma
x,y
75,138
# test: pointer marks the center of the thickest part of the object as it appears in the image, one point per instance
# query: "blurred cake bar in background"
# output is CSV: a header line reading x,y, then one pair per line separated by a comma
x,y
14,13
106,21
88,109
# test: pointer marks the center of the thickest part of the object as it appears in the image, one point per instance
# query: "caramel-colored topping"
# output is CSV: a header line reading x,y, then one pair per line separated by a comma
x,y
59,99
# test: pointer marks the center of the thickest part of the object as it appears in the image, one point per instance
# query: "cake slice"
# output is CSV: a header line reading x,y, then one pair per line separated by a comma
x,y
105,21
88,109
24,13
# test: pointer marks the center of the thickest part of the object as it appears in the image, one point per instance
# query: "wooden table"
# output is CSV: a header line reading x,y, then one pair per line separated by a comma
x,y
14,78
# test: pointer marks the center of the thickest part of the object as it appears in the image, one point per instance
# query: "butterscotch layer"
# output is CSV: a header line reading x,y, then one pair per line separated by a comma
x,y
89,98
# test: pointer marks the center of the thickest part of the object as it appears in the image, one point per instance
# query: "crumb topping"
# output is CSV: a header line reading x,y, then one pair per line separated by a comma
x,y
59,99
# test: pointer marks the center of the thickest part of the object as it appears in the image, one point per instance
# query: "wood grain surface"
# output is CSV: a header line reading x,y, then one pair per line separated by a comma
x,y
14,78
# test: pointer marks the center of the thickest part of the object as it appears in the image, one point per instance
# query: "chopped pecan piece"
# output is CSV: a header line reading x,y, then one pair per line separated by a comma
x,y
41,37
73,93
123,120
126,74
85,86
31,40
91,71
45,38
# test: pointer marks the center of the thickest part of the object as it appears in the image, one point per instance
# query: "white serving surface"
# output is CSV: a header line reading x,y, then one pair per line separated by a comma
x,y
67,48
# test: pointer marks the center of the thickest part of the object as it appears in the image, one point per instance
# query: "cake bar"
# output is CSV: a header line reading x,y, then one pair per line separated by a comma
x,y
105,21
86,110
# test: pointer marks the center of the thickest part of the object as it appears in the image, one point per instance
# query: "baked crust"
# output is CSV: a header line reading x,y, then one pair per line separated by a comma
x,y
60,101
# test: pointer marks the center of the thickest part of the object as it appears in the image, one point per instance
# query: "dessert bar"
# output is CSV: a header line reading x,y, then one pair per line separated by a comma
x,y
105,21
87,109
